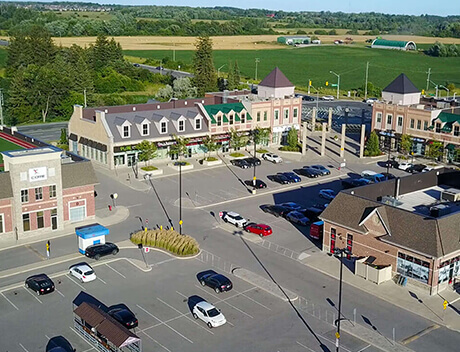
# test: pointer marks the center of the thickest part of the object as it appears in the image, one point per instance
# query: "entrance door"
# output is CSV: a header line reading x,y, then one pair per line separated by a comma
x,y
78,213
131,159
54,223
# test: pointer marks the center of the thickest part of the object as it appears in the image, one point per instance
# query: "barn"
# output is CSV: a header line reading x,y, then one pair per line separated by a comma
x,y
294,39
393,44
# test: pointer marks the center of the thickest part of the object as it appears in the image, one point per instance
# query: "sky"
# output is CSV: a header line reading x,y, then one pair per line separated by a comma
x,y
408,7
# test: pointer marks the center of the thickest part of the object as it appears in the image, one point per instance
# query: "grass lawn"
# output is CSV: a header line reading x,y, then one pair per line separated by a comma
x,y
6,146
302,64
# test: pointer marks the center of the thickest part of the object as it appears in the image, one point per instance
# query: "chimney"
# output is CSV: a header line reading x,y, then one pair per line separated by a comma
x,y
225,97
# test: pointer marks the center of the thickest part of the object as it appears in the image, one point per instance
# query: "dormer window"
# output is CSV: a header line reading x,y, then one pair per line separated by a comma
x,y
145,129
231,119
219,120
163,127
198,124
126,131
181,125
243,117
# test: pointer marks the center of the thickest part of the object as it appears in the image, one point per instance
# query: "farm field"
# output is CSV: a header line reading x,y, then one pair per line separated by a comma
x,y
302,64
244,42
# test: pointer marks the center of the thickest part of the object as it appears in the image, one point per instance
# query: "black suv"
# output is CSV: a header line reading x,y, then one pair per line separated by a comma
x,y
123,315
97,251
308,98
311,173
416,168
259,183
275,209
217,282
253,161
40,283
241,163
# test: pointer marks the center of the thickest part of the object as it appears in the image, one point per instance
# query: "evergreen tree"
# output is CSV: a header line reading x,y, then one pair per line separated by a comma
x,y
231,77
293,138
205,73
236,74
372,146
406,144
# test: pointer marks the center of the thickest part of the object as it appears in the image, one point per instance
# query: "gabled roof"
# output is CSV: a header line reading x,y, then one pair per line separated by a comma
x,y
447,119
276,79
226,109
401,85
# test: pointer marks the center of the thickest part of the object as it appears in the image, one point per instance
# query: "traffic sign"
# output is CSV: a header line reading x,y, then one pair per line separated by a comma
x,y
146,249
333,85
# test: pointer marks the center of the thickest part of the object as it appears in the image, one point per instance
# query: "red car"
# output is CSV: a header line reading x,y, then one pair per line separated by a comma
x,y
259,229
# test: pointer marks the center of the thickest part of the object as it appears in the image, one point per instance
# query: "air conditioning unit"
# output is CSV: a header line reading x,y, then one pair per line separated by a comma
x,y
451,195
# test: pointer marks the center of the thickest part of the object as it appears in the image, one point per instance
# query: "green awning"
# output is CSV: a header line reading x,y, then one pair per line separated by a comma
x,y
451,147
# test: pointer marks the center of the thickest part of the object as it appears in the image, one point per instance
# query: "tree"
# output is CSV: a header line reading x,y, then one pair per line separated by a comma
x,y
237,139
210,143
205,78
260,134
435,149
147,150
372,146
292,138
180,146
406,144
183,88
63,139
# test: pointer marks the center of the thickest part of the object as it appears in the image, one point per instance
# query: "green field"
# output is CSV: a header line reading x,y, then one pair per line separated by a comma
x,y
302,64
6,146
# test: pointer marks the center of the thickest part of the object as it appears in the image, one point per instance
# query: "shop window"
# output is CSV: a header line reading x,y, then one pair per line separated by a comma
x,y
38,193
26,222
258,116
333,236
265,115
378,117
2,224
456,131
349,245
419,124
414,268
277,114
412,123
53,191
295,112
24,195
40,220
181,125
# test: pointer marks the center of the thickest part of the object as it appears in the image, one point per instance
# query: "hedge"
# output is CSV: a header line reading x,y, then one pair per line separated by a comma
x,y
169,240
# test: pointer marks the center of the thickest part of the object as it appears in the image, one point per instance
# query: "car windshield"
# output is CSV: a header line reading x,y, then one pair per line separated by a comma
x,y
238,217
213,312
89,272
274,156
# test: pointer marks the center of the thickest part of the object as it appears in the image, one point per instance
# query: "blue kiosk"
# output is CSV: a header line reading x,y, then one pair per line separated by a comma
x,y
89,235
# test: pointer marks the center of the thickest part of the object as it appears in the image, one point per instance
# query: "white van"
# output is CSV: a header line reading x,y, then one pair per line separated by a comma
x,y
372,176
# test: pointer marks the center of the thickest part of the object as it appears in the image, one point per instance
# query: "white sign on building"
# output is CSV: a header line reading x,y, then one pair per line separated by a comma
x,y
37,174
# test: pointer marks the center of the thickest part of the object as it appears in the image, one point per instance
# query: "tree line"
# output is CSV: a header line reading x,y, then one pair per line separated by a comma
x,y
184,21
443,50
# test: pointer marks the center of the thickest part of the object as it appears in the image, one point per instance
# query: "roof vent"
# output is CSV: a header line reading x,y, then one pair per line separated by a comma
x,y
451,195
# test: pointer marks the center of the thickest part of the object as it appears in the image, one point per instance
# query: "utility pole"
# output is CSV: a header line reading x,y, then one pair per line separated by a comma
x,y
1,107
84,95
367,75
428,79
257,61
174,51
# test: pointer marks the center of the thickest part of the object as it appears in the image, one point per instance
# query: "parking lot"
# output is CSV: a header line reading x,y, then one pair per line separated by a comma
x,y
161,300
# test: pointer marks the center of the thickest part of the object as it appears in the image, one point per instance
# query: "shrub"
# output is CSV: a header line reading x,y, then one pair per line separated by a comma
x,y
211,158
288,148
236,155
262,151
149,168
170,240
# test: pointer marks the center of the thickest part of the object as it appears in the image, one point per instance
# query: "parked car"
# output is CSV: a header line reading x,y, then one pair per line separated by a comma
x,y
298,218
313,213
373,176
328,194
404,166
259,229
416,168
272,157
388,176
322,169
310,173
280,178
292,177
293,206
83,272
160,68
328,97
391,163
234,218
428,169
253,161
218,282
275,209
259,183
96,251
240,163
123,315
136,65
308,98
371,101
40,283
212,316
354,182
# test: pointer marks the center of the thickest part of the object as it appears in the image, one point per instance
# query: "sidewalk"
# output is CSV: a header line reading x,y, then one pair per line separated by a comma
x,y
410,298
103,217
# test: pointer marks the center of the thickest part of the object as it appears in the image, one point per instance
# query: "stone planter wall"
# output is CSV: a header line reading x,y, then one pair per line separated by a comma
x,y
212,163
184,168
151,173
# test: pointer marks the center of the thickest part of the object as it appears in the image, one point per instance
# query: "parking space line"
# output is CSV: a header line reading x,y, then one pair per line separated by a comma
x,y
364,348
333,342
78,334
30,293
307,348
60,292
76,283
185,316
224,301
151,338
251,299
123,276
105,283
1,293
164,323
25,349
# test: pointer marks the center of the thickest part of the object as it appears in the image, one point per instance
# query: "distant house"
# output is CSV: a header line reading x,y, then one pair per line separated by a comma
x,y
393,44
294,39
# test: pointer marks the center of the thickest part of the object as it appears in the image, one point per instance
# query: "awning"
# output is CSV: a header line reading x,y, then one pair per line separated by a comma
x,y
73,137
451,147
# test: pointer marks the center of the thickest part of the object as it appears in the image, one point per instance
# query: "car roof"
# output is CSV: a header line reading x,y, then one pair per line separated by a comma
x,y
205,305
232,213
82,267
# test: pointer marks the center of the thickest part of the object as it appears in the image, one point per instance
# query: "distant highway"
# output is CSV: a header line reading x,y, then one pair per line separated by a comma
x,y
166,71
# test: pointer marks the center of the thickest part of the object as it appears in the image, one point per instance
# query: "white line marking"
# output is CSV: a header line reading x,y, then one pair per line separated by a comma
x,y
216,195
76,283
30,293
9,301
123,276
224,301
365,348
25,349
177,332
78,334
165,261
307,348
455,300
151,338
59,292
105,283
181,294
185,316
251,299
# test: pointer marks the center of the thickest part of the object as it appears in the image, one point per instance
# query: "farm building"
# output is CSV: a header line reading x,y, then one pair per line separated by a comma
x,y
294,39
393,44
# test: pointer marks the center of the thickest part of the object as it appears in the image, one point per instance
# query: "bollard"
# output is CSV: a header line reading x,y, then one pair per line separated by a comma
x,y
110,207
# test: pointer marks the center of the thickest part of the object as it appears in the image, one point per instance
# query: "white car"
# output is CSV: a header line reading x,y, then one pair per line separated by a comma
x,y
82,272
404,166
234,218
209,314
371,101
328,194
272,157
328,97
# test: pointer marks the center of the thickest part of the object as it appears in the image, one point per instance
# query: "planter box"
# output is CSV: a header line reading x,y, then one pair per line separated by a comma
x,y
184,168
212,163
236,157
156,172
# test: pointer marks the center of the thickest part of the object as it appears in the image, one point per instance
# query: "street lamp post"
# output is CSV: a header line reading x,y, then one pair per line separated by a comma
x,y
389,135
257,61
180,163
447,89
254,137
338,252
338,82
218,70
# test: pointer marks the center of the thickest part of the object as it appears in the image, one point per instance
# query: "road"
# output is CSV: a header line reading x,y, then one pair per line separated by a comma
x,y
44,132
166,71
